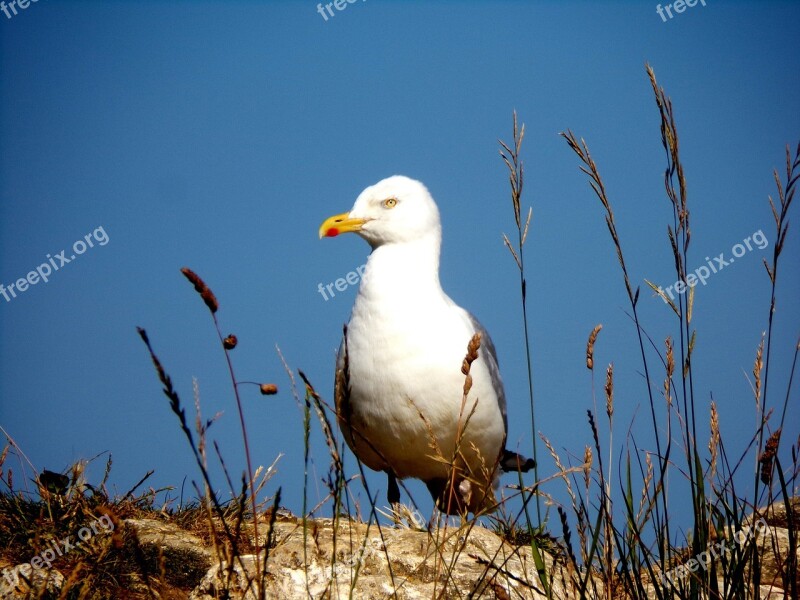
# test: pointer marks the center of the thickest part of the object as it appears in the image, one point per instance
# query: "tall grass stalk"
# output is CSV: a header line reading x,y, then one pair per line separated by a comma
x,y
516,176
510,153
249,487
228,343
780,214
718,510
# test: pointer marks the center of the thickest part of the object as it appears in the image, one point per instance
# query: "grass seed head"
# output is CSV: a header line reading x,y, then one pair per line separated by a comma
x,y
768,456
200,286
670,371
590,346
758,365
610,390
472,353
587,465
713,443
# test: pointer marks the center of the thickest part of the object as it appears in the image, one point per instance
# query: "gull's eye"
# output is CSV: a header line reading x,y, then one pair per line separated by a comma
x,y
390,203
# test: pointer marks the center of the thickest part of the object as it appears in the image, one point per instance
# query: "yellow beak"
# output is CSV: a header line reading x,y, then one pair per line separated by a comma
x,y
337,224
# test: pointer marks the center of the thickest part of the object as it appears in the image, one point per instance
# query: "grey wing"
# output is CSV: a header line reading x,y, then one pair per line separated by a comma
x,y
342,376
509,461
340,353
489,354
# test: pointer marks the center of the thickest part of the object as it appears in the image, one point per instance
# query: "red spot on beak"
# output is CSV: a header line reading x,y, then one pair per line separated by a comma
x,y
332,232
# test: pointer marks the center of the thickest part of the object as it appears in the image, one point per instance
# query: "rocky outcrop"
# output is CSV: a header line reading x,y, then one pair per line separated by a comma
x,y
160,547
26,581
322,558
769,530
331,560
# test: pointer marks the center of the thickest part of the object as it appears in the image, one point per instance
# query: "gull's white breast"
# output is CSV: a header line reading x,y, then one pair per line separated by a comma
x,y
405,350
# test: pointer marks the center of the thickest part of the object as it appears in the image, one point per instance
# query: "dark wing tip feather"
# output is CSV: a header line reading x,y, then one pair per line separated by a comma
x,y
512,462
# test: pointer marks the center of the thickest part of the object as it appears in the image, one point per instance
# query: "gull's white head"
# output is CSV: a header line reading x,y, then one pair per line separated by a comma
x,y
395,210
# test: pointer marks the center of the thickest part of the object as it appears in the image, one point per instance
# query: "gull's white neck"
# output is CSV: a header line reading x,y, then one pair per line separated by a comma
x,y
403,270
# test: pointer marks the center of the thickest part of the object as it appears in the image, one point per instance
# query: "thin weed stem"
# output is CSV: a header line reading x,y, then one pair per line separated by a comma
x,y
516,175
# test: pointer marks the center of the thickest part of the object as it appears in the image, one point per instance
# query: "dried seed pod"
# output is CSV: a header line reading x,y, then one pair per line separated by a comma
x,y
268,389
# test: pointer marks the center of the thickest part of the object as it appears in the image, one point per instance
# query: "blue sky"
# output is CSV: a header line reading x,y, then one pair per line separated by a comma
x,y
219,135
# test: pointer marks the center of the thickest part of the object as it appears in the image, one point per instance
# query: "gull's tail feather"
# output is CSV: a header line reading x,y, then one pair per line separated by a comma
x,y
511,462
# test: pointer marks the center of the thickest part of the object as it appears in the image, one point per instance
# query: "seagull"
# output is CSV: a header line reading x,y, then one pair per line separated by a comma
x,y
401,399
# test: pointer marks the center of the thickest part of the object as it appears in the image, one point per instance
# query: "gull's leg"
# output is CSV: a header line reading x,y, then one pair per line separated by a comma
x,y
445,496
393,493
393,496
